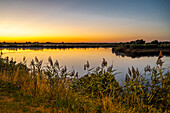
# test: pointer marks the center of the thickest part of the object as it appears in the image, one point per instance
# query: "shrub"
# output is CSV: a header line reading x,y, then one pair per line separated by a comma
x,y
99,82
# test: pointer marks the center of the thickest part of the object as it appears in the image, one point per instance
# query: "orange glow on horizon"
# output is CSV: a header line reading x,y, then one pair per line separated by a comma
x,y
62,39
35,31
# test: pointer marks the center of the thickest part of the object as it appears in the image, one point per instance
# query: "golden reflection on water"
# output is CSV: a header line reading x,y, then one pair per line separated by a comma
x,y
76,58
65,55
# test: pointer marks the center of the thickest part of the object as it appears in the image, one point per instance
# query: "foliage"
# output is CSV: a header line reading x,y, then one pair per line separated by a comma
x,y
154,42
141,41
152,91
60,90
99,82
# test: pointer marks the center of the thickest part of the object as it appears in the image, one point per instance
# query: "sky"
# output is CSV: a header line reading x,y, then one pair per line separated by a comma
x,y
84,20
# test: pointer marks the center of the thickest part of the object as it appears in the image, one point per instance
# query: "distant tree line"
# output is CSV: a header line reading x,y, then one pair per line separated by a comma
x,y
141,41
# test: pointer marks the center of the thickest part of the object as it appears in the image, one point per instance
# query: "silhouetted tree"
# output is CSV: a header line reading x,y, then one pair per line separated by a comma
x,y
28,42
154,42
48,42
141,41
132,42
36,42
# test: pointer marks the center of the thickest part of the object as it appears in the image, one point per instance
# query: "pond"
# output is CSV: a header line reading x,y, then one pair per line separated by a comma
x,y
77,57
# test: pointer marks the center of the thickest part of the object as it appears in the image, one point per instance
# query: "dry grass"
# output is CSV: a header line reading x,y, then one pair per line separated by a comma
x,y
57,90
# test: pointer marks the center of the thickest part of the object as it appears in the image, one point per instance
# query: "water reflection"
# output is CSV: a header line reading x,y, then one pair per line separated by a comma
x,y
77,57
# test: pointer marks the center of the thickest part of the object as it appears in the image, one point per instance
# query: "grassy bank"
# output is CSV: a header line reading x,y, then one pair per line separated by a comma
x,y
55,89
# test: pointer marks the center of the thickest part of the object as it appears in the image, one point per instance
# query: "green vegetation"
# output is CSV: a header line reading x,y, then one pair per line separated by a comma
x,y
55,89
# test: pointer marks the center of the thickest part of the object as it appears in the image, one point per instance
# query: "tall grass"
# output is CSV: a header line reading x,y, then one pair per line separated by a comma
x,y
61,90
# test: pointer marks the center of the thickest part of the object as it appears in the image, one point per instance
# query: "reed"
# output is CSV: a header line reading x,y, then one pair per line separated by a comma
x,y
55,89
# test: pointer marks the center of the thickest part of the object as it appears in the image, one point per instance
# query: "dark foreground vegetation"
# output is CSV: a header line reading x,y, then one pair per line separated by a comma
x,y
55,89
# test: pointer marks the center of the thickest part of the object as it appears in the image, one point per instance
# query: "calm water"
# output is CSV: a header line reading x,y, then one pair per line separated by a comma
x,y
76,58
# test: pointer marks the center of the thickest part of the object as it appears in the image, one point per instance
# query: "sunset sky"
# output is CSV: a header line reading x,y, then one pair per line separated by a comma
x,y
84,20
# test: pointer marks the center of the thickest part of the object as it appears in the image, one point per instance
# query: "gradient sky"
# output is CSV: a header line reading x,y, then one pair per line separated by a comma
x,y
84,20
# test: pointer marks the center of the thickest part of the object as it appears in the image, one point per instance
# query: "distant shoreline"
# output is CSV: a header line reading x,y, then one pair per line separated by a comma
x,y
121,49
57,45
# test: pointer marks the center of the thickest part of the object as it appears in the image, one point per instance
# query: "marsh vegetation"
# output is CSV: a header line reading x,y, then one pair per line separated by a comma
x,y
56,89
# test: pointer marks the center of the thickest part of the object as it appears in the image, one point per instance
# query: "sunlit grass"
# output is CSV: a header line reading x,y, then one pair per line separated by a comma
x,y
55,89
